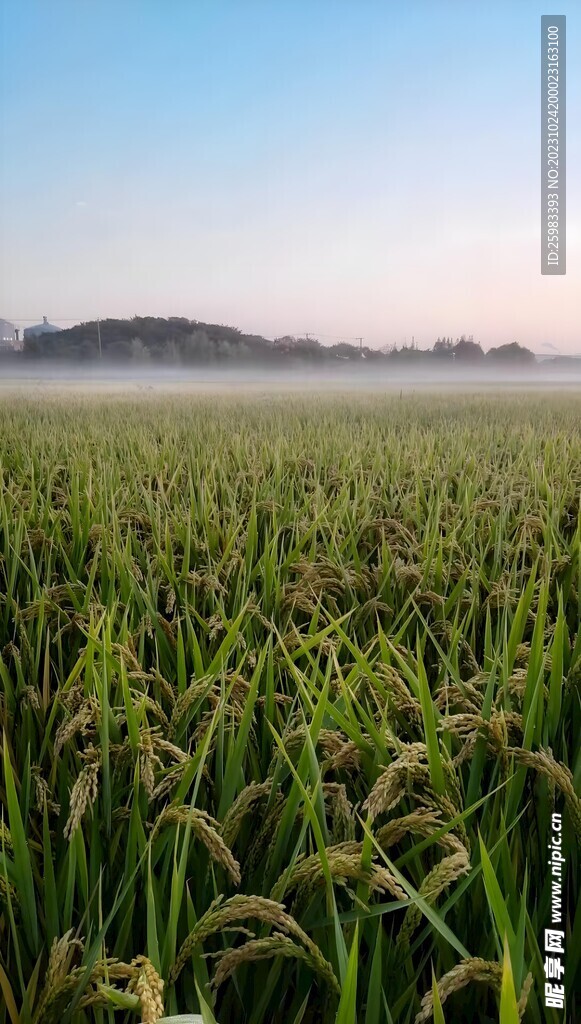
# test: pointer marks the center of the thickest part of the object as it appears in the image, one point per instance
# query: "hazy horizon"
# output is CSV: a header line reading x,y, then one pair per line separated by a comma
x,y
299,375
341,169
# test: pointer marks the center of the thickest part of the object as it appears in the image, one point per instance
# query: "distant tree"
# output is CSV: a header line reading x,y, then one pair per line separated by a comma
x,y
121,351
442,349
197,347
88,349
467,351
373,354
139,352
343,350
225,350
285,343
410,354
308,348
511,353
171,352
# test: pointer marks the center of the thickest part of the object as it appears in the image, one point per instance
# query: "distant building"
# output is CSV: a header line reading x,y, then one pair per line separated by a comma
x,y
43,328
8,336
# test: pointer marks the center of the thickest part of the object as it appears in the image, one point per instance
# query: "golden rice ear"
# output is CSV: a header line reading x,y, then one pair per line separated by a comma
x,y
148,986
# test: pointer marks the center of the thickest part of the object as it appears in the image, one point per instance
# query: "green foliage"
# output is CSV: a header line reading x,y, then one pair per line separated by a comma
x,y
288,693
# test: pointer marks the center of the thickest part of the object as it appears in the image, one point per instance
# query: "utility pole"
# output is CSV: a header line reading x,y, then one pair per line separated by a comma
x,y
99,338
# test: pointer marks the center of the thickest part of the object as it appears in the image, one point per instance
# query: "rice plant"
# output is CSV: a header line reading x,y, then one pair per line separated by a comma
x,y
289,691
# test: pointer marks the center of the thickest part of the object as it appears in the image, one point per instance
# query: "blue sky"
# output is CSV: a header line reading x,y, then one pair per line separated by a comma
x,y
344,168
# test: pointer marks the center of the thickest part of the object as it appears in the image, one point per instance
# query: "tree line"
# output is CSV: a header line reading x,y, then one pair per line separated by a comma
x,y
179,341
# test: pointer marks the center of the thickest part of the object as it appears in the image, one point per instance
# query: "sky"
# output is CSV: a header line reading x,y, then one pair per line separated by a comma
x,y
340,167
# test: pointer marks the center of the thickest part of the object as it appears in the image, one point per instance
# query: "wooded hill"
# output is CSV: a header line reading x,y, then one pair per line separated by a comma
x,y
184,342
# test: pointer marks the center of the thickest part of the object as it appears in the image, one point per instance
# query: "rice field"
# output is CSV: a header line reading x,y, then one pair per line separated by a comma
x,y
289,692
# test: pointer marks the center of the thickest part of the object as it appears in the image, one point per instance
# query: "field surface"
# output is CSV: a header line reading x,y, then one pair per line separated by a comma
x,y
289,693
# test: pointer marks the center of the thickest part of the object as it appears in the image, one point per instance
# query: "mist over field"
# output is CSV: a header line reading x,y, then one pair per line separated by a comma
x,y
33,375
